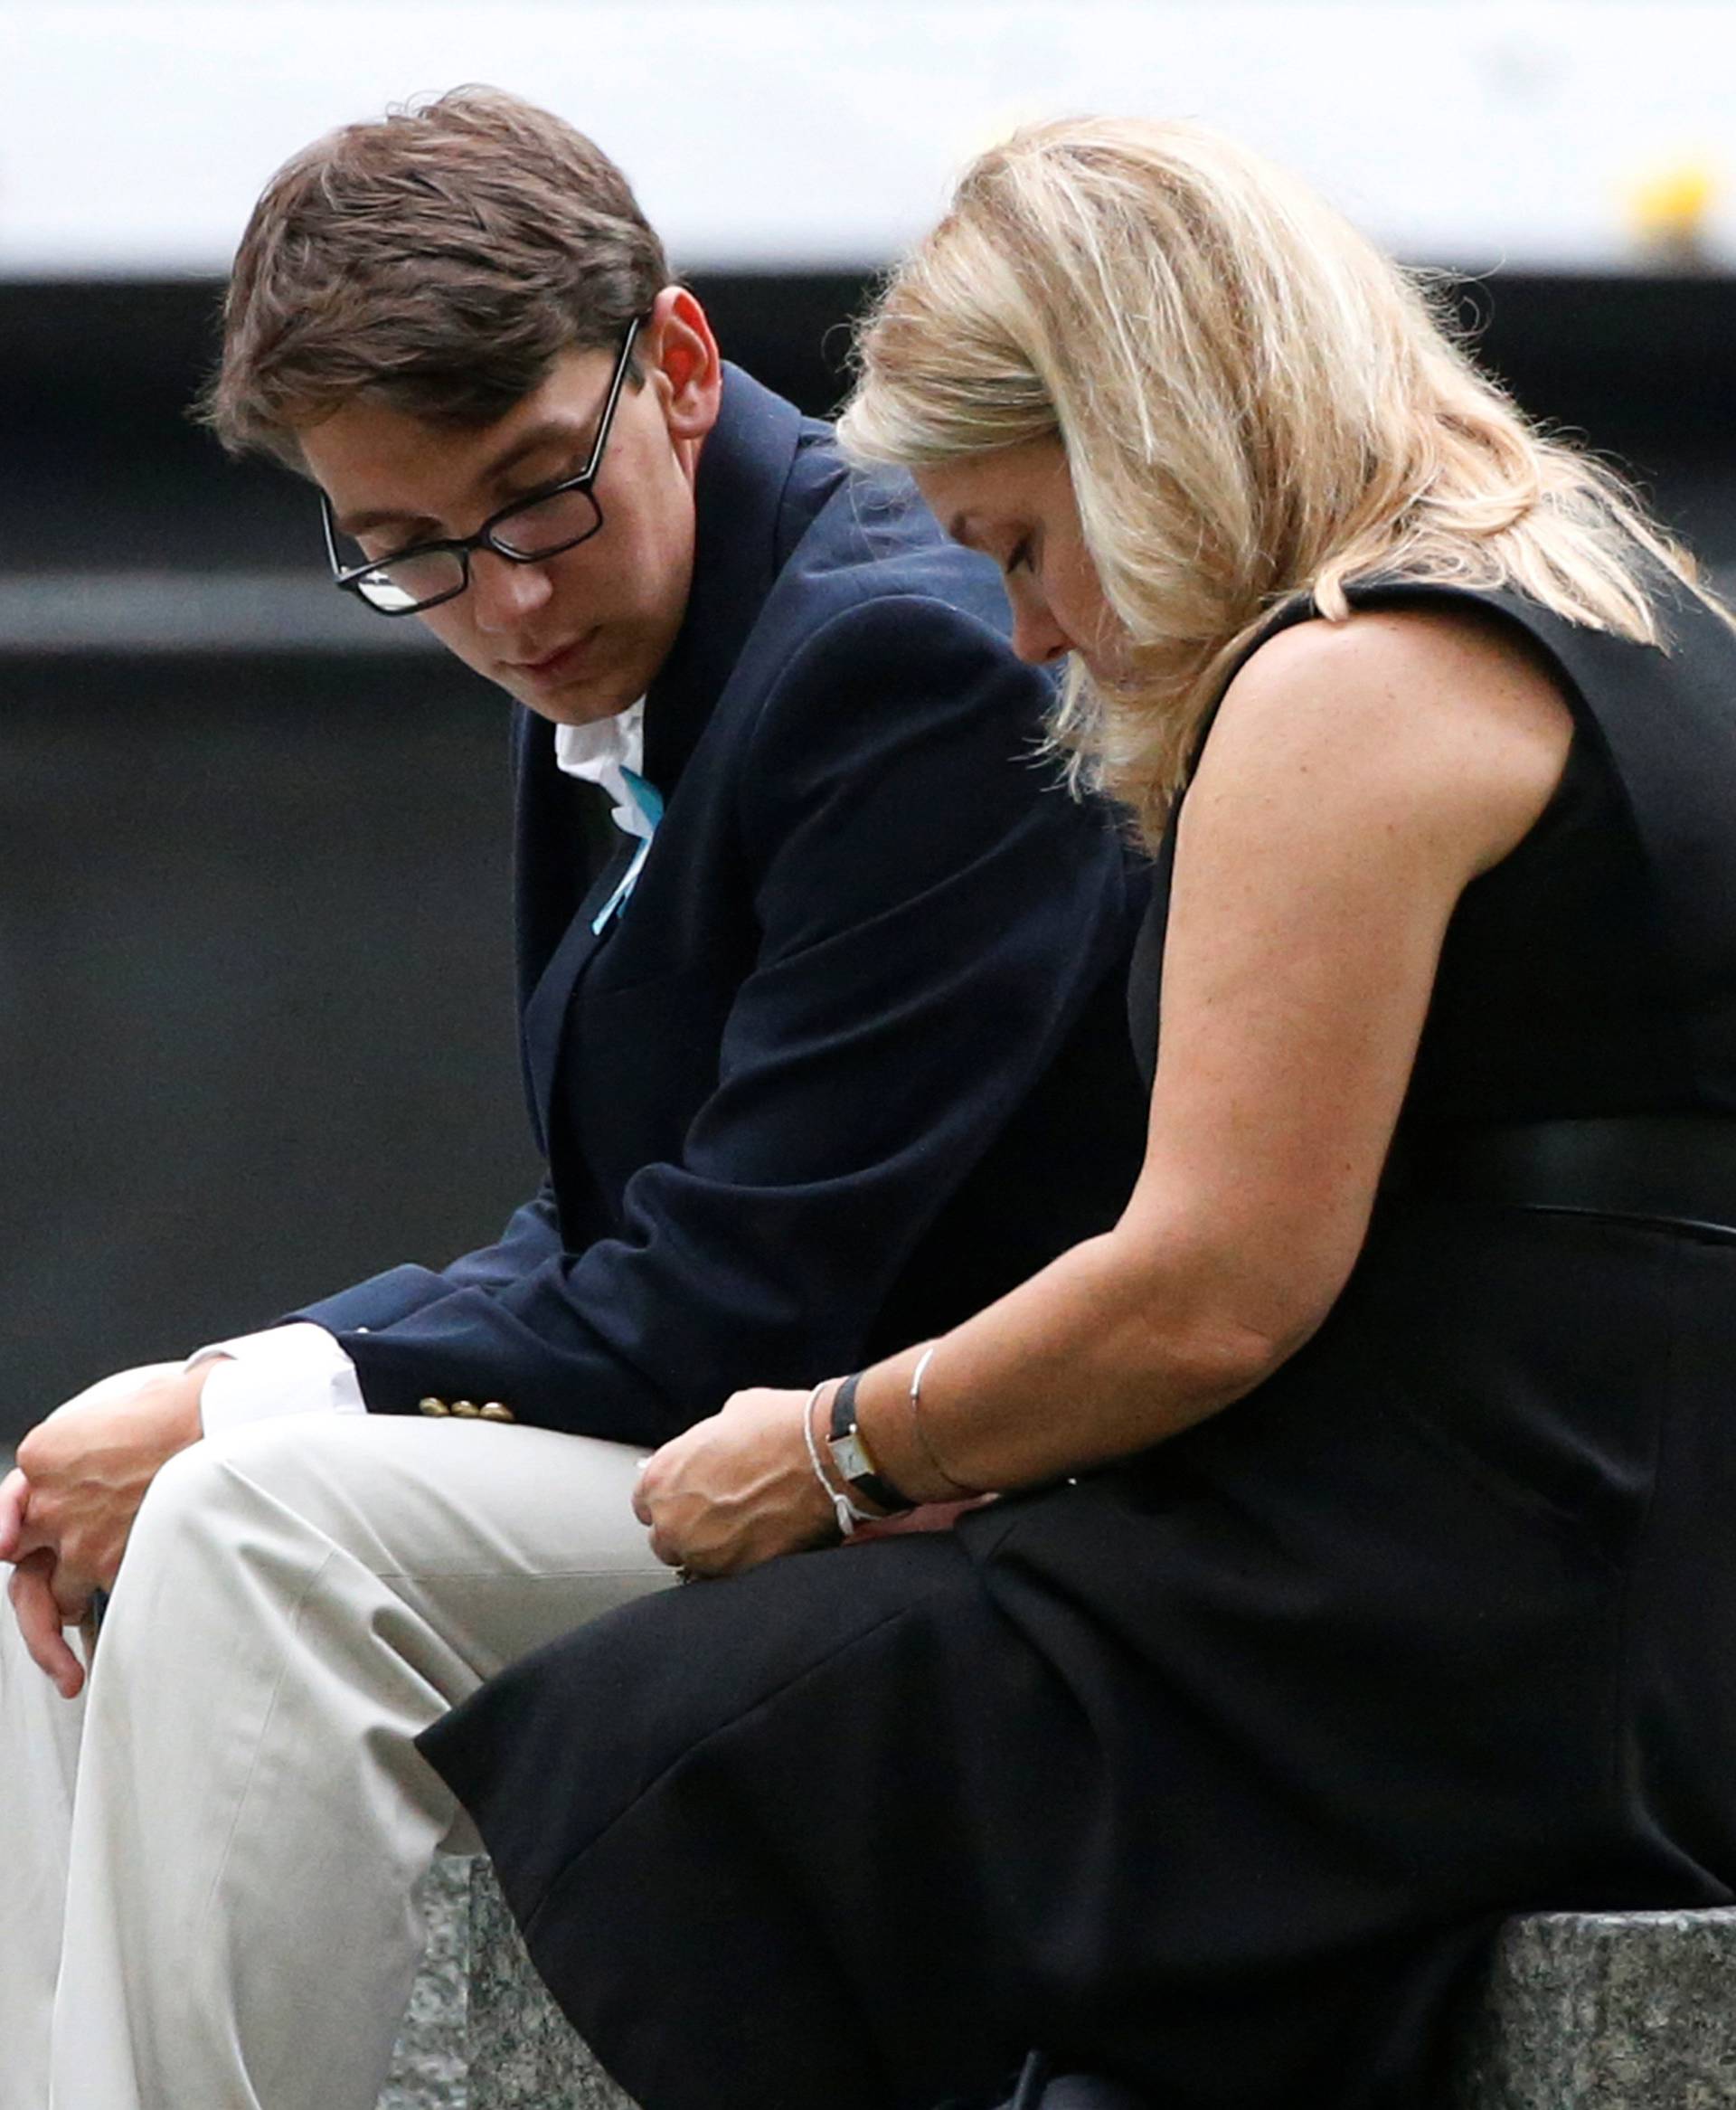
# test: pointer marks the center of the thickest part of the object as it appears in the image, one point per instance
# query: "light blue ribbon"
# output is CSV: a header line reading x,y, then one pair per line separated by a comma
x,y
649,801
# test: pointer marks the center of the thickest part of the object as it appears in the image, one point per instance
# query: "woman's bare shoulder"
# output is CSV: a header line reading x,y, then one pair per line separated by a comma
x,y
1446,717
1458,647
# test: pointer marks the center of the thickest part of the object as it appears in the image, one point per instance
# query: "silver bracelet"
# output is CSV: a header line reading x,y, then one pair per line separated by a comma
x,y
846,1513
920,1433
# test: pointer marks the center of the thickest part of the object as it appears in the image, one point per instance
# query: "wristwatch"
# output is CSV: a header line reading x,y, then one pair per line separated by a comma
x,y
851,1454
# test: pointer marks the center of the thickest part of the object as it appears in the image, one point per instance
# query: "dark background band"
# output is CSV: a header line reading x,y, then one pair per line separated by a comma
x,y
256,1031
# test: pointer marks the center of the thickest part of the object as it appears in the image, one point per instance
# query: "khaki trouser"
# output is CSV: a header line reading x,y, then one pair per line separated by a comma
x,y
229,1825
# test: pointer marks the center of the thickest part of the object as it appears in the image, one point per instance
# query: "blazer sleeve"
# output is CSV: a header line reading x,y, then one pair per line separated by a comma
x,y
934,912
532,1236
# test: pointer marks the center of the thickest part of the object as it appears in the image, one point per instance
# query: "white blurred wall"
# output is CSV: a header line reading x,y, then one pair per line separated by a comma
x,y
134,138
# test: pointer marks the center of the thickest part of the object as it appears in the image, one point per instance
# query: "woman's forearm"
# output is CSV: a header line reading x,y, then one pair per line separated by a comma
x,y
1109,1349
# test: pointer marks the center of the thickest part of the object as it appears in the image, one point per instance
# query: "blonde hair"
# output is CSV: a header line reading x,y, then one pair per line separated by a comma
x,y
1254,403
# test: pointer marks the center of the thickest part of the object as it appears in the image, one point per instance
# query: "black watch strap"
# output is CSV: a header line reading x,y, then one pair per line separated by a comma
x,y
850,1454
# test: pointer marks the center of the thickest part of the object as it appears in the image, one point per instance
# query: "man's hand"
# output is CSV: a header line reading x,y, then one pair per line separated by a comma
x,y
41,1617
733,1490
68,1509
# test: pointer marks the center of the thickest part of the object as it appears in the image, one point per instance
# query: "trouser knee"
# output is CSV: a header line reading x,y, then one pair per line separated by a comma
x,y
204,1520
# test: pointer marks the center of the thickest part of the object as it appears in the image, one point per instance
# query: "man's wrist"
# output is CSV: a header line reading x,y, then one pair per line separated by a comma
x,y
293,1369
190,1418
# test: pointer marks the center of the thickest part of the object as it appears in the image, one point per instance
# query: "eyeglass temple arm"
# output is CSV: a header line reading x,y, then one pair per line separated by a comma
x,y
327,524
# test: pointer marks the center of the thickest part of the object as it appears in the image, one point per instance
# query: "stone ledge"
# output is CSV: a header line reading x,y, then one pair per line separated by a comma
x,y
525,2055
431,2064
1579,2012
482,2032
1607,2011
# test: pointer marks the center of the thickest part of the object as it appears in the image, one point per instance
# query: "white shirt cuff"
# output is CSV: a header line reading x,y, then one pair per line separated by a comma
x,y
287,1369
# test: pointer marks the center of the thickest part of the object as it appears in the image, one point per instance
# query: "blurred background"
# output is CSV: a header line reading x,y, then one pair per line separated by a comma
x,y
255,1024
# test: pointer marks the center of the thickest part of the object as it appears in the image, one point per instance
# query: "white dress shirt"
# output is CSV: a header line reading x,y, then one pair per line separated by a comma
x,y
300,1368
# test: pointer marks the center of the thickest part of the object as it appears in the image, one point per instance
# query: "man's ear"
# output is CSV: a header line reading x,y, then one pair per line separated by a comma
x,y
683,364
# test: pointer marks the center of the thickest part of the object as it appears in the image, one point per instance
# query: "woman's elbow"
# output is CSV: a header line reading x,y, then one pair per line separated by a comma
x,y
1219,1356
1211,1327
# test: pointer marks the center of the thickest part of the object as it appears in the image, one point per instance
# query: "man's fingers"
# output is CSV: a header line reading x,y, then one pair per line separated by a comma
x,y
70,1590
14,1496
20,1536
925,1516
91,1463
39,1621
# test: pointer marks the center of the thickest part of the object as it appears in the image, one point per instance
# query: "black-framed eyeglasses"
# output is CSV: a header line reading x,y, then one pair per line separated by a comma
x,y
539,525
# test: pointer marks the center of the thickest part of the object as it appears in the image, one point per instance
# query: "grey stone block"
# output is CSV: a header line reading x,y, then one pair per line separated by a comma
x,y
1578,2011
1607,2011
525,2055
431,2064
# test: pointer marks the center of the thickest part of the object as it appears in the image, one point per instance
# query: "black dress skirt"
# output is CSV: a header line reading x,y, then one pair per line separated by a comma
x,y
1215,1770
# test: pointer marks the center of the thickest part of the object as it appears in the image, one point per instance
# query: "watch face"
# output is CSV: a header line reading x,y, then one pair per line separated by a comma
x,y
849,1457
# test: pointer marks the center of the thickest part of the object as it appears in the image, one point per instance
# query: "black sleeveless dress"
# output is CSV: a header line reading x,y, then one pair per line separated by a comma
x,y
1214,1771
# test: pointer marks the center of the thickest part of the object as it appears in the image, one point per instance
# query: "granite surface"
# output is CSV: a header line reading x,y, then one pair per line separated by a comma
x,y
431,2064
1579,2012
525,2054
1607,2011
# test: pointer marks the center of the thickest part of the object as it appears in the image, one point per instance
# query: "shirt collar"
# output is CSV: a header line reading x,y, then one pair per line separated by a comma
x,y
601,753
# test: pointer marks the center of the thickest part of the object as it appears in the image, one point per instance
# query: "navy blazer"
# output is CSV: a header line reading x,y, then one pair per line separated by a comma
x,y
852,1060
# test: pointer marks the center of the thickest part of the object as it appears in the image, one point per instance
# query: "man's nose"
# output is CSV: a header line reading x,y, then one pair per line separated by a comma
x,y
502,592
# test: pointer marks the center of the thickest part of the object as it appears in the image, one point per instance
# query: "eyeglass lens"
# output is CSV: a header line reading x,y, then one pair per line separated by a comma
x,y
540,528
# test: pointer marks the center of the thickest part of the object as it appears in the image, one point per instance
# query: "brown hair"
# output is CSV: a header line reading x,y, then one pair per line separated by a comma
x,y
438,259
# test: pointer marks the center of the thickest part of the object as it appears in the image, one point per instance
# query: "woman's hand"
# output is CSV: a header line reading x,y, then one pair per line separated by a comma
x,y
736,1489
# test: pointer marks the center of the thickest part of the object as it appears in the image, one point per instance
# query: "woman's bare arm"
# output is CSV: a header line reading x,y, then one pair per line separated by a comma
x,y
1359,776
1357,779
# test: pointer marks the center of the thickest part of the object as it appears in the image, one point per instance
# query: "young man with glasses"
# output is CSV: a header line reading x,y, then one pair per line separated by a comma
x,y
823,1054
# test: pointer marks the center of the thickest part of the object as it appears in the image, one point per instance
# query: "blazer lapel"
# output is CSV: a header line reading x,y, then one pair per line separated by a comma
x,y
545,1015
747,514
744,469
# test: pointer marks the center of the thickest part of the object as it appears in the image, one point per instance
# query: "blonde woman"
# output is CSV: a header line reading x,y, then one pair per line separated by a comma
x,y
1361,1569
